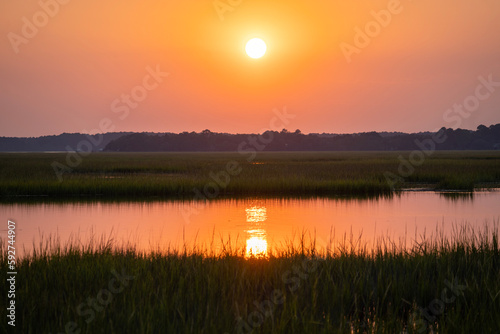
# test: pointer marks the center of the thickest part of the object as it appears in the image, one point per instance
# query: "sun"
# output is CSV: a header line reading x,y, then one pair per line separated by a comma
x,y
256,48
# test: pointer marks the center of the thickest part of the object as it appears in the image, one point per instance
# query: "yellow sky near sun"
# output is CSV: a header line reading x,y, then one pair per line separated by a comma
x,y
91,52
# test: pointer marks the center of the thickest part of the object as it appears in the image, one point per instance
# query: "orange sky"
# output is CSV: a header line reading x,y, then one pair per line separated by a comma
x,y
66,76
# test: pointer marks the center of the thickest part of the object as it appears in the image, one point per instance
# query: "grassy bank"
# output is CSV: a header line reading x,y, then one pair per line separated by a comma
x,y
440,286
274,174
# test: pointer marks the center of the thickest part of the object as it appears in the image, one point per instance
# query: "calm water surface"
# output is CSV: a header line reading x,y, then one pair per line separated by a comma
x,y
256,225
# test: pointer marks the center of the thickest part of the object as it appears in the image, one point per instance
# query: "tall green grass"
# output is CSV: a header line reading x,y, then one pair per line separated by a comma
x,y
347,289
270,173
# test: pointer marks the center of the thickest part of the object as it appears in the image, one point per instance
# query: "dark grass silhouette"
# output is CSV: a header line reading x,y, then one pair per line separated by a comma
x,y
438,284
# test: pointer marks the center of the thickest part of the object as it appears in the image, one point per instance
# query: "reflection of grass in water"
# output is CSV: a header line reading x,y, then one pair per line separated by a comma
x,y
458,196
350,289
270,174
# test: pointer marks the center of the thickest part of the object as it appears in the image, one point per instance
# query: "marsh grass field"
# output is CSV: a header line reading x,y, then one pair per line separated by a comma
x,y
175,175
438,285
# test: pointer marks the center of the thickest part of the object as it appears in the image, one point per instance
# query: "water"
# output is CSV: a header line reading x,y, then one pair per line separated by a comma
x,y
256,225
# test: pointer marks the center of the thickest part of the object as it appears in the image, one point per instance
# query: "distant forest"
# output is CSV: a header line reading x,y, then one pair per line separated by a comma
x,y
484,138
56,143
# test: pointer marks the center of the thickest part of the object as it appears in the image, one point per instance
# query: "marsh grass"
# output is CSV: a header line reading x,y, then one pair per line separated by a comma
x,y
346,288
269,174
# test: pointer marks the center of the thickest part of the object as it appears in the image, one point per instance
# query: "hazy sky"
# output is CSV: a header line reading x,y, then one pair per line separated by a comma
x,y
90,60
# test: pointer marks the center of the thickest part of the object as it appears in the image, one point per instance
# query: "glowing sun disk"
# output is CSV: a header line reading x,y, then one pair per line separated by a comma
x,y
256,48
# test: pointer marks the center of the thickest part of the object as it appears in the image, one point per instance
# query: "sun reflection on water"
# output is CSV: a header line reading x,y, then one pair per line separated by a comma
x,y
256,243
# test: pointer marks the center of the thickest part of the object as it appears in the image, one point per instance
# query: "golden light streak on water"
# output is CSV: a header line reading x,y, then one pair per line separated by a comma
x,y
256,242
